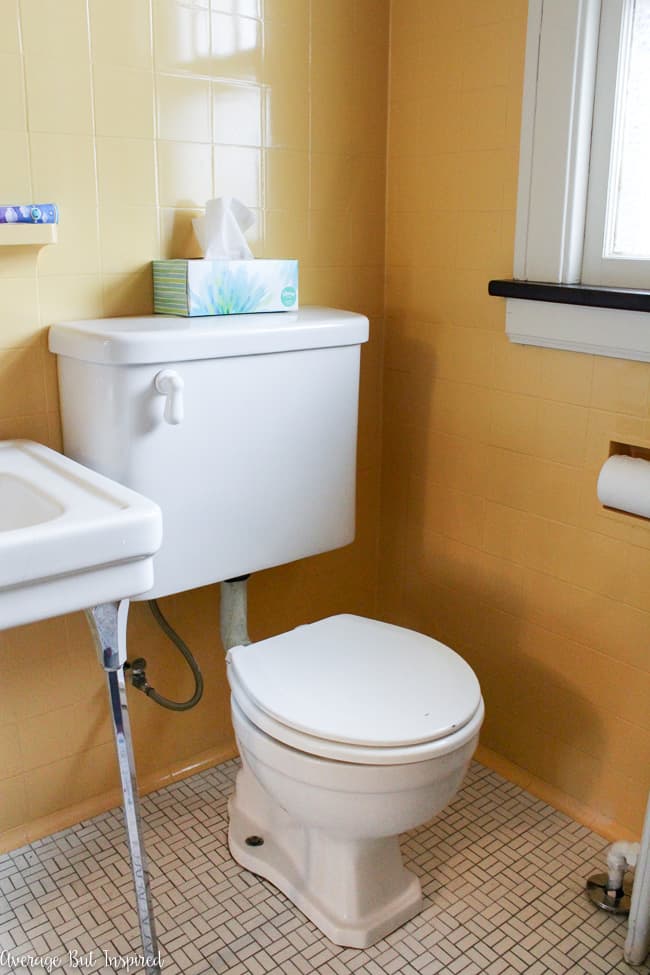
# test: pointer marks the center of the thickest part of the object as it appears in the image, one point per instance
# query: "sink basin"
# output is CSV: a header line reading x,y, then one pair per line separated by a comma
x,y
22,505
69,537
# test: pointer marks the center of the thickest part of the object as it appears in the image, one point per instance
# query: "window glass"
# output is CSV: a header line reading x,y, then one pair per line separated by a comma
x,y
628,224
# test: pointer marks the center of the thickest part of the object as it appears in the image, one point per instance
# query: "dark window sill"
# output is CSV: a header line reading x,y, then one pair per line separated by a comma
x,y
572,294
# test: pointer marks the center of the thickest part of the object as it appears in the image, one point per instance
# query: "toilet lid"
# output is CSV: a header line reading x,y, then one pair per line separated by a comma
x,y
358,681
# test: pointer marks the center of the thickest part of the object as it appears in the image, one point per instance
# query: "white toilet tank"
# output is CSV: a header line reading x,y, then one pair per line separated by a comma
x,y
252,452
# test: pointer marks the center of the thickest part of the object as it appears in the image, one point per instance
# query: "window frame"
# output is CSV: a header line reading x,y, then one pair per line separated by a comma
x,y
557,116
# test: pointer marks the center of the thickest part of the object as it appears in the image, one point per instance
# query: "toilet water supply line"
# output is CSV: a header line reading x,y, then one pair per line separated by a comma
x,y
139,673
234,633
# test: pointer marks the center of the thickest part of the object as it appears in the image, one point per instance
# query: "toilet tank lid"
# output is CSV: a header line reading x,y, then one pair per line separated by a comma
x,y
164,338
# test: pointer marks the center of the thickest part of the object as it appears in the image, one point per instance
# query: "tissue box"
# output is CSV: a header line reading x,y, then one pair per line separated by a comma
x,y
224,287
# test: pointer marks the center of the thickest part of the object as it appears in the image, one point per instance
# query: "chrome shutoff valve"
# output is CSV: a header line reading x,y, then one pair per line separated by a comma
x,y
170,385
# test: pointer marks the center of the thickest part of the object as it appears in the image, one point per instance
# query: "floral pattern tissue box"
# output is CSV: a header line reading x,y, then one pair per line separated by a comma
x,y
203,287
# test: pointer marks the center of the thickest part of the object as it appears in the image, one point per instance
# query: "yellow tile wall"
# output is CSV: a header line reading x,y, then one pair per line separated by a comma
x,y
492,538
130,114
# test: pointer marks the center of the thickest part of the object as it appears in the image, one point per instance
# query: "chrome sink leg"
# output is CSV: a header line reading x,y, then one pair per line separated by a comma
x,y
108,626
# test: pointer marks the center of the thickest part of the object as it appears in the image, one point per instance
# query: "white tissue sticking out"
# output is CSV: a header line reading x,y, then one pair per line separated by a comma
x,y
624,483
220,232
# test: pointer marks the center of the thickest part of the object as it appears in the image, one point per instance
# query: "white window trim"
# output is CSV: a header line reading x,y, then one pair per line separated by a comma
x,y
613,332
557,108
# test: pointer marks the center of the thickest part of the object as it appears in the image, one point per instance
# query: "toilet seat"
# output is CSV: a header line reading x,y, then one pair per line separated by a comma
x,y
357,690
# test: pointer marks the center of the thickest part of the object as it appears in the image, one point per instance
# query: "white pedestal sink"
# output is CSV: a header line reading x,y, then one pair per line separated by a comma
x,y
72,539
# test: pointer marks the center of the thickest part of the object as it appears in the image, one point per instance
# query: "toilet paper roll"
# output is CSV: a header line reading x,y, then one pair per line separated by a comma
x,y
624,483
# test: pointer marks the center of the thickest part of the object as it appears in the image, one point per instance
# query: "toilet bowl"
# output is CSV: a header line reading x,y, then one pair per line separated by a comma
x,y
350,732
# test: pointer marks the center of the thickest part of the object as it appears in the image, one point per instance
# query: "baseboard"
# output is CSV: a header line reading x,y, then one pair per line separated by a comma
x,y
37,829
607,828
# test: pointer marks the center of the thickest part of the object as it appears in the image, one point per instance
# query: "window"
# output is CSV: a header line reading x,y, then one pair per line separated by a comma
x,y
583,211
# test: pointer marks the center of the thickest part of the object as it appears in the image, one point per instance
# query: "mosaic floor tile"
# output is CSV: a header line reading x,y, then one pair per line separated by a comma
x,y
502,874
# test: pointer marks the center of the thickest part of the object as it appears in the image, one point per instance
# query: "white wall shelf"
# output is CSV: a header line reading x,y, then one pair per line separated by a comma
x,y
29,234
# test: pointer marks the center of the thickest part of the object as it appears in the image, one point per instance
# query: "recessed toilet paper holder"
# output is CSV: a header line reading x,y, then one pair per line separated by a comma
x,y
624,480
619,448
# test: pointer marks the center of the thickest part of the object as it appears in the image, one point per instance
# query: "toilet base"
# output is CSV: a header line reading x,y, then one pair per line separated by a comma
x,y
355,891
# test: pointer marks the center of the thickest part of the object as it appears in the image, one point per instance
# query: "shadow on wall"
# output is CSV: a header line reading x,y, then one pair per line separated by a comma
x,y
437,576
182,240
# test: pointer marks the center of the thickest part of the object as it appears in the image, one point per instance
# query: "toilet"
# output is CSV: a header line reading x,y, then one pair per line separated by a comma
x,y
243,429
350,732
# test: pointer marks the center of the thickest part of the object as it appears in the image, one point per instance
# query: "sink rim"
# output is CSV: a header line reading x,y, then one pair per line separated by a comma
x,y
102,522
